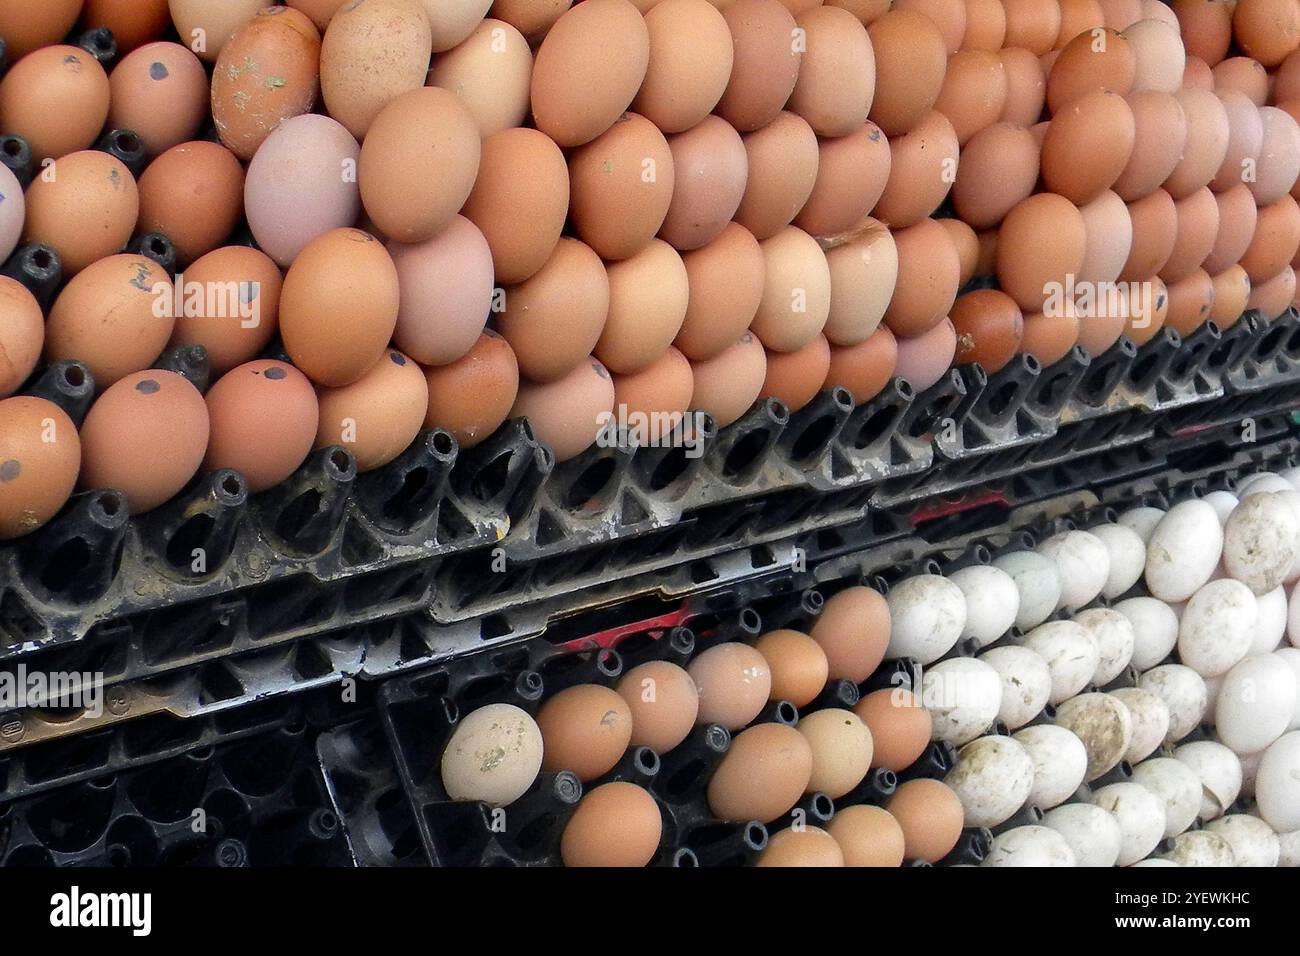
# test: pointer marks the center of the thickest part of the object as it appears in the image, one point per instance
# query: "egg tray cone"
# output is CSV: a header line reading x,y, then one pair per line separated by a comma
x,y
259,801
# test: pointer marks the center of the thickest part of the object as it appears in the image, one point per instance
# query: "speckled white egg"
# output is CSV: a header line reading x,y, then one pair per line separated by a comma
x,y
1071,655
1026,683
1150,718
963,696
1217,627
1270,622
992,601
993,778
1103,723
1261,541
1183,691
1060,761
927,615
493,755
1183,550
1219,770
1277,783
1141,817
1092,833
1037,581
1155,630
1128,557
1030,846
1252,840
1083,564
1222,502
1201,848
1142,521
1178,787
1115,640
1255,704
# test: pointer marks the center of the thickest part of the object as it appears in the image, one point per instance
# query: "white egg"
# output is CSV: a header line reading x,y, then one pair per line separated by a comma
x,y
1103,723
1222,502
1141,817
1217,627
1183,550
1201,848
1292,498
1030,846
992,601
1291,657
1261,542
963,696
1155,630
1071,654
1092,833
1038,583
1220,772
1293,618
1255,704
1115,641
1252,840
1142,521
928,613
1083,563
1150,717
1277,783
1183,691
1270,621
472,764
1289,845
1177,786
1291,476
1060,761
1128,557
1263,482
993,778
1026,683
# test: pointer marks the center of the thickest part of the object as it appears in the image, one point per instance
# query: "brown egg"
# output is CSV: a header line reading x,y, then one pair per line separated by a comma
x,y
1103,314
1121,14
1207,28
192,194
206,26
1032,24
923,359
763,774
1276,240
1240,74
1286,82
263,422
867,836
1088,145
986,25
1207,142
1092,62
949,16
852,172
725,285
22,334
728,384
853,630
1026,87
1078,16
710,170
1231,296
532,18
1146,312
999,167
766,63
808,846
837,75
798,665
85,206
1189,302
899,725
989,328
796,377
421,137
522,177
1197,76
567,415
1279,156
734,683
1155,230
1274,295
264,75
133,22
653,400
112,316
1161,58
616,824
1049,338
338,306
377,416
921,171
690,63
40,453
911,59
1198,226
26,27
56,99
988,243
865,10
454,20
320,11
1268,30
647,304
1110,238
586,729
159,92
374,51
1245,139
490,72
145,436
230,304
664,703
588,69
473,395
783,165
930,816
1042,240
1159,134
796,291
974,92
864,272
841,746
928,274
866,368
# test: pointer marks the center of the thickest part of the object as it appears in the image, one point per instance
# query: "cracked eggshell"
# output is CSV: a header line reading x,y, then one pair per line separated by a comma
x,y
1201,848
963,696
1177,786
1083,563
1183,551
1255,704
927,615
1184,693
1026,683
1060,761
1128,556
1071,655
1155,630
1217,627
1142,521
1222,502
992,601
1037,581
494,755
1092,833
1261,541
1150,718
1141,818
1252,840
1277,783
1115,641
1103,723
1270,624
1220,772
1030,846
993,778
